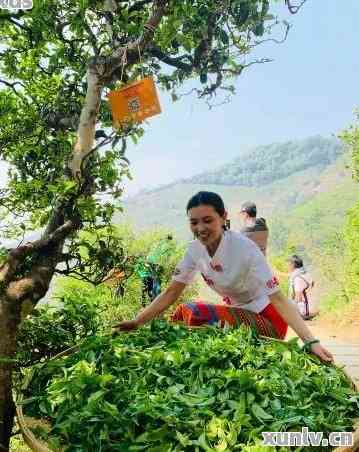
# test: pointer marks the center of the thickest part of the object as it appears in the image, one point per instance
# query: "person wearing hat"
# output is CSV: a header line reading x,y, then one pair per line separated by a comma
x,y
254,228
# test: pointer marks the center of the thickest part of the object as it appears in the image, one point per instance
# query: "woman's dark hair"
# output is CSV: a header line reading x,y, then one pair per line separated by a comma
x,y
207,198
296,261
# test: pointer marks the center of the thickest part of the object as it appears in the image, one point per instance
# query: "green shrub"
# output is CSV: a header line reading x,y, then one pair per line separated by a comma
x,y
79,309
52,329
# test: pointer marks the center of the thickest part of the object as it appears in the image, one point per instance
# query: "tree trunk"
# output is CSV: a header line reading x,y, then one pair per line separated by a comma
x,y
9,323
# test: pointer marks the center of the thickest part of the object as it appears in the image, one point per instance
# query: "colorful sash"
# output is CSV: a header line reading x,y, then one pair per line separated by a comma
x,y
200,313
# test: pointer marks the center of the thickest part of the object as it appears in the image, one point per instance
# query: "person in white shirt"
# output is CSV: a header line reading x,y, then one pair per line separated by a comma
x,y
300,287
234,267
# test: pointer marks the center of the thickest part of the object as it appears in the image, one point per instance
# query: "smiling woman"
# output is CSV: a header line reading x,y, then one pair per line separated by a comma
x,y
234,267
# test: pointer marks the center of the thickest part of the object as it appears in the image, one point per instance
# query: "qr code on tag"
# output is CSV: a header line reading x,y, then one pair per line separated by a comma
x,y
134,105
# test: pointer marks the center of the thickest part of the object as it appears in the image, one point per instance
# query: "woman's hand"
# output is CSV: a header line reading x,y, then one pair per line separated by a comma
x,y
318,350
153,310
126,325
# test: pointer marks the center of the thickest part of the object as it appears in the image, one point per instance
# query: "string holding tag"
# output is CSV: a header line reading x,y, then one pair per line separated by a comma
x,y
140,60
135,101
123,63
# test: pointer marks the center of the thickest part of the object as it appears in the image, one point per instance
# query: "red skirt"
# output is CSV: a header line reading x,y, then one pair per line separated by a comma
x,y
267,323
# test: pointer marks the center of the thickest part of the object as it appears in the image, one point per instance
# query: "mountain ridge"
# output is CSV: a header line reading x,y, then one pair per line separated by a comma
x,y
165,206
264,164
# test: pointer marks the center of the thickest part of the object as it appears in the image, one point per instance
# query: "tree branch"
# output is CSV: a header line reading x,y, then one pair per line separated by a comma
x,y
13,19
213,87
101,71
12,86
175,62
91,36
205,45
88,118
139,5
59,234
276,41
261,61
130,54
79,276
16,255
8,15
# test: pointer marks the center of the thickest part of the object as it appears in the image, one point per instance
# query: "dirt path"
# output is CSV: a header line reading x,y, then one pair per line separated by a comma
x,y
341,326
331,329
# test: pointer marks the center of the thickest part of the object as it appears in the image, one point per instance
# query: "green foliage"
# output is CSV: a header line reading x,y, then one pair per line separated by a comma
x,y
53,329
110,309
325,233
93,253
351,234
279,263
265,164
313,227
79,309
43,64
314,230
350,138
168,388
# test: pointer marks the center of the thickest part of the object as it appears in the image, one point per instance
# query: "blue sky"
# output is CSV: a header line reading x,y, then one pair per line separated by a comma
x,y
311,88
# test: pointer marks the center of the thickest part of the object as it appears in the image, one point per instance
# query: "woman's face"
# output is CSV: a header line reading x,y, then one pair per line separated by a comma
x,y
206,224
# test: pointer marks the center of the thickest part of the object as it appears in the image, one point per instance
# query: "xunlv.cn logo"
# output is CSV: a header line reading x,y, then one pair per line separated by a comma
x,y
16,4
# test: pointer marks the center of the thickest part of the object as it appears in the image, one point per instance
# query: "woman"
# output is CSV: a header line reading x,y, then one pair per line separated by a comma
x,y
234,267
300,287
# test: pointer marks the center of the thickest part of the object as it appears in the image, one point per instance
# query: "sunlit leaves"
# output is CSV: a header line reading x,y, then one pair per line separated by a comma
x,y
169,388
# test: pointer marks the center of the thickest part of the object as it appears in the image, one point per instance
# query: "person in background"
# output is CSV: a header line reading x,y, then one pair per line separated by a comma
x,y
300,287
150,270
233,267
145,273
254,228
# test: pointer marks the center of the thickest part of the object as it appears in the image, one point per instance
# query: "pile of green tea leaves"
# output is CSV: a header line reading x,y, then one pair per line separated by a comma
x,y
165,388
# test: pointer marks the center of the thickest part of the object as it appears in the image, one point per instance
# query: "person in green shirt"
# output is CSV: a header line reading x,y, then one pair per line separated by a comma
x,y
150,270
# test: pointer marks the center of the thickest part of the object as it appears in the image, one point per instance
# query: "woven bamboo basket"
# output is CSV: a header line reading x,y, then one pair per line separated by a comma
x,y
37,445
24,422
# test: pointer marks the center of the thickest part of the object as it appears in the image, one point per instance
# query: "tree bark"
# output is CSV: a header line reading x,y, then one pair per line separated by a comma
x,y
16,293
10,315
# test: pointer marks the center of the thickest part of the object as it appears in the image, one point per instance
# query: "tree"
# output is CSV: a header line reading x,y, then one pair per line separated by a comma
x,y
57,63
350,137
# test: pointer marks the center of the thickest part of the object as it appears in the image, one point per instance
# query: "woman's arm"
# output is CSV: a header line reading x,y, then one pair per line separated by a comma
x,y
158,305
291,315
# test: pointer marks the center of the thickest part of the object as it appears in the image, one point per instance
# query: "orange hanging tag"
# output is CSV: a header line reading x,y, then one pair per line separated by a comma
x,y
134,102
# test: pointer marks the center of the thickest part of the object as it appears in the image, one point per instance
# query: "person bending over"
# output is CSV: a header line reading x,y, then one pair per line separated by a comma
x,y
234,267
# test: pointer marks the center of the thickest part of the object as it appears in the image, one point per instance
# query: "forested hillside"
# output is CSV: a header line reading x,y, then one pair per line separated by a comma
x,y
265,164
322,170
311,225
324,230
306,208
